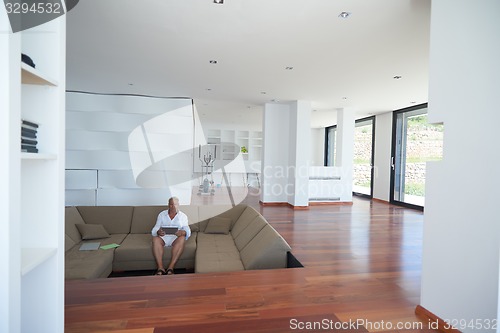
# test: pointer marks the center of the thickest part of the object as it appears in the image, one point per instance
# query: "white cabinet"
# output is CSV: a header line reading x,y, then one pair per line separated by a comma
x,y
36,198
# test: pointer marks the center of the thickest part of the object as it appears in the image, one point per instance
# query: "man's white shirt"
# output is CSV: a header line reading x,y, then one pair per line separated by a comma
x,y
180,221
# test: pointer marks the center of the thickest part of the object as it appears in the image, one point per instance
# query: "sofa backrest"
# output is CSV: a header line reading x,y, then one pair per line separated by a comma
x,y
250,229
115,219
72,217
266,250
144,218
192,214
141,219
207,212
247,216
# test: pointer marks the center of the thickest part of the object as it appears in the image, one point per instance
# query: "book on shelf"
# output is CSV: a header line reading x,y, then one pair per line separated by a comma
x,y
28,134
29,124
28,149
28,141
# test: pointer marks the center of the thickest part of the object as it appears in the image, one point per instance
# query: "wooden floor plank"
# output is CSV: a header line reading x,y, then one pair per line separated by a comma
x,y
361,262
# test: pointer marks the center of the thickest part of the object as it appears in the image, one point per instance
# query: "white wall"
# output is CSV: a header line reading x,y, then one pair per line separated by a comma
x,y
137,150
460,269
382,159
317,155
275,152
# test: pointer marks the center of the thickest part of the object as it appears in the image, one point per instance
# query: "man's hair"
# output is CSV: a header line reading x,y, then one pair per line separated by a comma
x,y
174,199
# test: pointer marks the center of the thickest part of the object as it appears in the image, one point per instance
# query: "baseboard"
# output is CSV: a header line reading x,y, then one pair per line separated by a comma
x,y
442,326
381,201
298,207
331,203
270,204
283,204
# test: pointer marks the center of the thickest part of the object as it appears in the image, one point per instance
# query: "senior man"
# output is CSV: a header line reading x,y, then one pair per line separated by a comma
x,y
170,218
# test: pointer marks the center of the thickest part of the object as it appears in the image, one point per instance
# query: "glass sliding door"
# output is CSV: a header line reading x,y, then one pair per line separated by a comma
x,y
364,135
330,145
415,142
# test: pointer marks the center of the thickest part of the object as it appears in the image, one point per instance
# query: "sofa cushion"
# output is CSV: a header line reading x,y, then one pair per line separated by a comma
x,y
191,213
116,219
144,218
92,231
266,250
91,264
88,264
217,253
207,212
71,218
218,225
252,228
247,216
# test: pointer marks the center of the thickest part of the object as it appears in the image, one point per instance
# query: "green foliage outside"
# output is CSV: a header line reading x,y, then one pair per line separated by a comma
x,y
420,123
417,189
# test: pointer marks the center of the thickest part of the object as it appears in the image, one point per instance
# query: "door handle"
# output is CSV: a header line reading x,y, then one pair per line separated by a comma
x,y
392,163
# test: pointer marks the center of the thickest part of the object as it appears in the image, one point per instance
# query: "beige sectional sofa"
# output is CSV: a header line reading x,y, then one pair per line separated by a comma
x,y
223,238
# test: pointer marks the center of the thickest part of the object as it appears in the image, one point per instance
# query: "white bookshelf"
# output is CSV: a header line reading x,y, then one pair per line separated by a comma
x,y
228,144
36,196
225,140
38,156
30,75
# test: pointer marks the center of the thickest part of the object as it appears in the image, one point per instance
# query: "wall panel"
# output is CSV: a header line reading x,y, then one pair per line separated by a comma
x,y
128,150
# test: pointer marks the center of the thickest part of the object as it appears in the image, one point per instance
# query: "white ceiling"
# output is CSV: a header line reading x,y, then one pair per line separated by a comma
x,y
163,48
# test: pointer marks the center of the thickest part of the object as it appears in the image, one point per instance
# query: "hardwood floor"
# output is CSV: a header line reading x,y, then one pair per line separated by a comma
x,y
362,271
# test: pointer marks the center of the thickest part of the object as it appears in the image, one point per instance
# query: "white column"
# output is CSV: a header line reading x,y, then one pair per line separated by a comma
x,y
275,153
345,151
460,261
299,159
286,155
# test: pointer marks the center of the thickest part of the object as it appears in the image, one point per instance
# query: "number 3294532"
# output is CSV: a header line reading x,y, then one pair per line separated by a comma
x,y
473,324
34,8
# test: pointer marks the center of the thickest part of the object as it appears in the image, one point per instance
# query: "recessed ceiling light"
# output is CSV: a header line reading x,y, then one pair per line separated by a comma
x,y
219,2
213,62
344,15
397,77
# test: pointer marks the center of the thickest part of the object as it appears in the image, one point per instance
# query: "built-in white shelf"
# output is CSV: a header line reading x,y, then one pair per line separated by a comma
x,y
30,75
228,142
37,156
33,257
